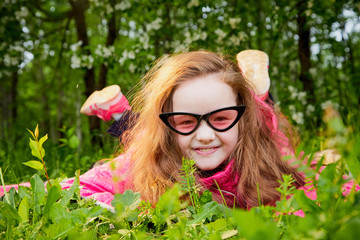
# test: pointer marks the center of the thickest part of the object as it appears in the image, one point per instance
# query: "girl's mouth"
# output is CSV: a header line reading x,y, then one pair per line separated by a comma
x,y
205,151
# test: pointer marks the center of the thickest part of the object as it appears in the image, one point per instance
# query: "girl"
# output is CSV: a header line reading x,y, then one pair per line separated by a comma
x,y
199,105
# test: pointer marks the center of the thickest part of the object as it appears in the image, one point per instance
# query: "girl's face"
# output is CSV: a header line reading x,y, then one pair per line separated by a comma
x,y
208,147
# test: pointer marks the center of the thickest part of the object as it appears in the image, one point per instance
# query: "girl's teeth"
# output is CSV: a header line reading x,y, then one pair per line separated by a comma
x,y
206,149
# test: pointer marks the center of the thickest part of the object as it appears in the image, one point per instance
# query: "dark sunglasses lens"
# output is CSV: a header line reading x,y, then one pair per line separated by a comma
x,y
223,119
183,123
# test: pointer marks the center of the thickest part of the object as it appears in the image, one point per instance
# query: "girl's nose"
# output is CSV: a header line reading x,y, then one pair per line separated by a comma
x,y
205,133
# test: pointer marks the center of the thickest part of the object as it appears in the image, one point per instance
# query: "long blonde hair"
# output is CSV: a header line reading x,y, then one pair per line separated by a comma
x,y
156,156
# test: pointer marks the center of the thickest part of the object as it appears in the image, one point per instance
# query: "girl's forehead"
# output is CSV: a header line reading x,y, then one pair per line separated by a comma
x,y
203,94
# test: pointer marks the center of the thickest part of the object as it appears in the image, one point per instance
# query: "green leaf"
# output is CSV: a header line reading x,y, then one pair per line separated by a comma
x,y
41,142
8,212
74,142
58,230
24,192
38,196
252,226
128,199
32,134
35,151
353,158
68,194
53,195
206,212
37,165
36,132
58,213
205,197
219,225
24,209
11,197
305,203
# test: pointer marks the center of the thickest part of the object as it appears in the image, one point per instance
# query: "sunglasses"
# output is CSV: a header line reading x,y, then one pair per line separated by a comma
x,y
220,120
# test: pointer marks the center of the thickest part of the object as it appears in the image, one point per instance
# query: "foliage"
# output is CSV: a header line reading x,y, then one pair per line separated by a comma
x,y
49,212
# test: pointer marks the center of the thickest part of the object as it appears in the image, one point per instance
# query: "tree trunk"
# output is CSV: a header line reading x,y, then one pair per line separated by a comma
x,y
112,34
304,49
78,13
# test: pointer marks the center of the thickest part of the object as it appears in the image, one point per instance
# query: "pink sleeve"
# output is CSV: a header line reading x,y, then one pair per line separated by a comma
x,y
100,183
104,181
16,186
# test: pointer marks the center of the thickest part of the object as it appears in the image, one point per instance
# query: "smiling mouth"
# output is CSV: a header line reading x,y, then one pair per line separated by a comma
x,y
205,150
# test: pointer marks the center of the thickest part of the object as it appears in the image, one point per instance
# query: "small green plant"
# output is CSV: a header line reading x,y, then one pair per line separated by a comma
x,y
37,150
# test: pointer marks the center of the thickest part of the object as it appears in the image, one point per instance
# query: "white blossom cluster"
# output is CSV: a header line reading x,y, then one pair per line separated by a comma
x,y
178,46
235,40
74,47
297,116
154,25
103,51
297,95
123,5
193,3
144,40
221,35
234,22
22,13
328,104
300,97
126,55
10,61
83,61
189,38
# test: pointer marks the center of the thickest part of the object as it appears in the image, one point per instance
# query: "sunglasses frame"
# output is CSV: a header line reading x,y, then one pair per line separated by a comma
x,y
165,116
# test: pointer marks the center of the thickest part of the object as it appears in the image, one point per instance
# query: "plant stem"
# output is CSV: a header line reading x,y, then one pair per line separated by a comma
x,y
2,182
42,160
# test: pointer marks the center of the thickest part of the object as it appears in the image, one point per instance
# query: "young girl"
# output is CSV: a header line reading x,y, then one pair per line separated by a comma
x,y
198,105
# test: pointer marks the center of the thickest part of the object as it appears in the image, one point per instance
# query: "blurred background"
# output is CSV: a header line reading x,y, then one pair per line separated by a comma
x,y
55,53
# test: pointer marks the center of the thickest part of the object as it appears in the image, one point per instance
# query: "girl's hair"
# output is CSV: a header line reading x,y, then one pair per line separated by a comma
x,y
156,156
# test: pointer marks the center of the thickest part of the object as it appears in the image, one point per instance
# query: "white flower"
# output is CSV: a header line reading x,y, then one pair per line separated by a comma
x,y
242,36
302,97
74,47
234,40
292,108
131,55
10,61
107,52
22,13
203,36
234,22
298,117
193,3
220,33
98,50
87,61
293,95
132,67
109,9
144,39
310,109
156,25
75,62
125,4
293,65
